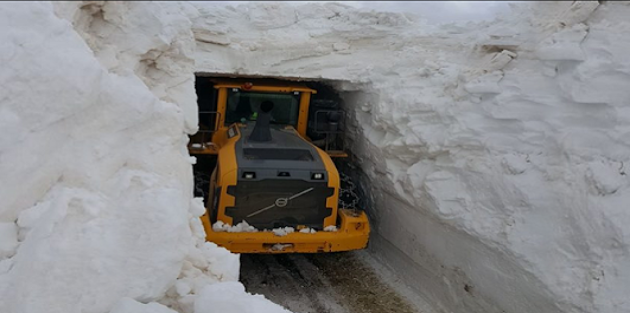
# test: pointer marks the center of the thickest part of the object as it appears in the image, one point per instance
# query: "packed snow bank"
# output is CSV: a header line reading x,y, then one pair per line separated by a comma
x,y
230,297
96,207
494,153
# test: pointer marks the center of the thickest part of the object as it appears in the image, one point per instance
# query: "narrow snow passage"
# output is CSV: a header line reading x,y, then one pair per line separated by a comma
x,y
320,283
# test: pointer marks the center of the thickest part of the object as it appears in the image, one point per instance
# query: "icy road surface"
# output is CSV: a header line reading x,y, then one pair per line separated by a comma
x,y
320,283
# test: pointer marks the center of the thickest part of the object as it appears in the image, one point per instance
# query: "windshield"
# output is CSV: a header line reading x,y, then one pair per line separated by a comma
x,y
244,105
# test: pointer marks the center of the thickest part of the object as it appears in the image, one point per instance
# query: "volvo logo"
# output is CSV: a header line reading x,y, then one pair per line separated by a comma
x,y
282,202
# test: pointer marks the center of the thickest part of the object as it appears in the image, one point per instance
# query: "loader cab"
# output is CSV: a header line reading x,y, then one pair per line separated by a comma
x,y
236,101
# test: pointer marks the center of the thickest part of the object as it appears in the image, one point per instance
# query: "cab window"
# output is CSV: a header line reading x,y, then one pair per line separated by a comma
x,y
243,106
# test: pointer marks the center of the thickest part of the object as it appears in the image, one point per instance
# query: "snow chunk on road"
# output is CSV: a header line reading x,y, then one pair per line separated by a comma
x,y
230,297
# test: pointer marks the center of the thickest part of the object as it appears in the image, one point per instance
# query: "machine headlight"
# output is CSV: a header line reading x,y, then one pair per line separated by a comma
x,y
249,175
317,176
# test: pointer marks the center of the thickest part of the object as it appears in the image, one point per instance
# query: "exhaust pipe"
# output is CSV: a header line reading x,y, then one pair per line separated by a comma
x,y
261,132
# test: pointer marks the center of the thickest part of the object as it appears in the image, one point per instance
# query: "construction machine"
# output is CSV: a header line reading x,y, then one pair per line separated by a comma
x,y
275,187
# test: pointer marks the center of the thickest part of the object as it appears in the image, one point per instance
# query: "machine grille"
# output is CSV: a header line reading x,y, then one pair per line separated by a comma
x,y
301,203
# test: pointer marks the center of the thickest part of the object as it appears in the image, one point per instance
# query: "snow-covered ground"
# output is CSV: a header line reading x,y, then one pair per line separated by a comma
x,y
494,153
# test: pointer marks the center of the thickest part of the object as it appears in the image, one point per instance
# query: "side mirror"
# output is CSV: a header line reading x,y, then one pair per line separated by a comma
x,y
328,121
333,118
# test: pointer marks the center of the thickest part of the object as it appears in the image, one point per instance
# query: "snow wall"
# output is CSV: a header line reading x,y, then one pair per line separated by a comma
x,y
96,206
495,153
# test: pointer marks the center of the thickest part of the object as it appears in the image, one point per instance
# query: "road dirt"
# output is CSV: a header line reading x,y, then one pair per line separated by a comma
x,y
320,283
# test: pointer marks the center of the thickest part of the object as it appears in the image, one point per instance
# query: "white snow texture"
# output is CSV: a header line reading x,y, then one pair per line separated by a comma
x,y
96,207
494,153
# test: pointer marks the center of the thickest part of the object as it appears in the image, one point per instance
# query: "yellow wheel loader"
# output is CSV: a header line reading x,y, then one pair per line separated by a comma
x,y
273,189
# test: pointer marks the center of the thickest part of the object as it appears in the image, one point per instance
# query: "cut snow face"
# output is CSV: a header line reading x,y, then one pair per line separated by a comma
x,y
8,240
